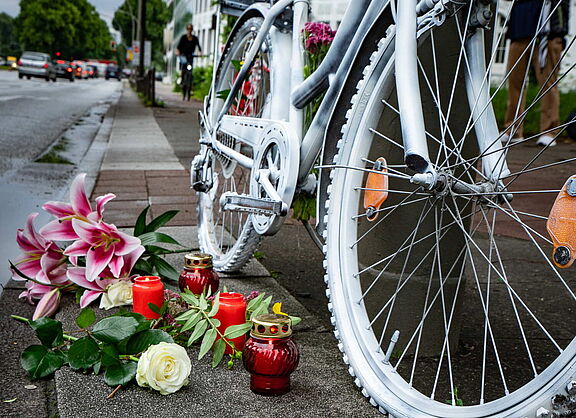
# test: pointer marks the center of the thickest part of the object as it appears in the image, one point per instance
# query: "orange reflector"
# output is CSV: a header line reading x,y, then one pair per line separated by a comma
x,y
376,189
561,225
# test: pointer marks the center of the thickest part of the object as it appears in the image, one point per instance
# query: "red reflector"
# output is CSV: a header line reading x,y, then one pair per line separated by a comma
x,y
19,62
45,65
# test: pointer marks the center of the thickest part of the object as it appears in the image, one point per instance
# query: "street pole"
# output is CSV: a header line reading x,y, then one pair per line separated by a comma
x,y
142,34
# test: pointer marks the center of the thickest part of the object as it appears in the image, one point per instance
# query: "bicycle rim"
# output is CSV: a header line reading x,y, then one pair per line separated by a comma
x,y
230,236
468,283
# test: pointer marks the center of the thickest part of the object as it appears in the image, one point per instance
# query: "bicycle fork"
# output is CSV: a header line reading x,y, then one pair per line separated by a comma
x,y
416,154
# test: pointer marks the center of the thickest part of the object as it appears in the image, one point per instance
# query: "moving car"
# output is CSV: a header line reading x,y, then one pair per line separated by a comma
x,y
64,69
92,71
113,72
81,70
36,64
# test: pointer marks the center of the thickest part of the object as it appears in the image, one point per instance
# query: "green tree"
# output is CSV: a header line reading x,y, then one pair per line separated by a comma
x,y
72,27
8,42
157,16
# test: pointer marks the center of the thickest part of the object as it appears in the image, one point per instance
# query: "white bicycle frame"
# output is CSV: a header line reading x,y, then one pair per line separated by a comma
x,y
411,16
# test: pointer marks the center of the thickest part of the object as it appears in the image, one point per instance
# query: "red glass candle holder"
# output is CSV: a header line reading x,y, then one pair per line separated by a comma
x,y
232,311
147,289
270,355
198,275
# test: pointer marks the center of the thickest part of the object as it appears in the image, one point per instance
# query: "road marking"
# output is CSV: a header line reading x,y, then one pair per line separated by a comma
x,y
7,98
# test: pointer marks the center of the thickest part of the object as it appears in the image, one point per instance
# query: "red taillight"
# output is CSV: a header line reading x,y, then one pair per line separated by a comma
x,y
61,62
19,62
69,69
45,65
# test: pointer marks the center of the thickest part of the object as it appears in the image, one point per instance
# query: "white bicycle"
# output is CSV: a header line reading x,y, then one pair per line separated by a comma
x,y
439,308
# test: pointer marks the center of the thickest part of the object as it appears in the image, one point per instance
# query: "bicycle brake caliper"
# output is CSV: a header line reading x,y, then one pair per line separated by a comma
x,y
561,225
376,191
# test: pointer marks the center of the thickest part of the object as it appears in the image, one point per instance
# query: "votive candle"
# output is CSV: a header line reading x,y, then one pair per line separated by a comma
x,y
232,311
147,289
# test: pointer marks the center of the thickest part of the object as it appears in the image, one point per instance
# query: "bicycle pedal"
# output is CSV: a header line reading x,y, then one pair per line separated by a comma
x,y
561,225
257,205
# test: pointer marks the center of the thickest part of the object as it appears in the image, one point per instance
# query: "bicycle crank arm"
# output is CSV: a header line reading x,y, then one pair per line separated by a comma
x,y
231,201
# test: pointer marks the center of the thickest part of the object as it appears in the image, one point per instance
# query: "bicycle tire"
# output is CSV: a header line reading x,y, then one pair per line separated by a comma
x,y
350,257
234,257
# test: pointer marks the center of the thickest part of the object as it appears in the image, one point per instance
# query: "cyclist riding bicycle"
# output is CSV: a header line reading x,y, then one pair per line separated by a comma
x,y
187,46
185,52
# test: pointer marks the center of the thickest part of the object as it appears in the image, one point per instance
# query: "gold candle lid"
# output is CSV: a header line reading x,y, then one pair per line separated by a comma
x,y
198,260
271,326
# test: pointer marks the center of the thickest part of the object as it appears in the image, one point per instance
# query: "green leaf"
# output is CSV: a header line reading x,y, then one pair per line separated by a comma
x,y
83,353
160,220
40,362
155,308
190,298
48,331
203,302
295,320
114,329
199,330
255,302
143,266
120,374
86,318
164,269
154,249
186,315
96,368
207,342
223,94
141,341
190,323
234,331
150,238
110,355
141,222
215,305
237,64
218,352
143,323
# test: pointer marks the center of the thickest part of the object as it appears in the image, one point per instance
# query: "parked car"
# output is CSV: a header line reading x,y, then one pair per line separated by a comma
x,y
113,72
36,64
126,72
2,61
64,69
159,75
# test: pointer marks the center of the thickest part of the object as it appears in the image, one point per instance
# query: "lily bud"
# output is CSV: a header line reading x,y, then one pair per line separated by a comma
x,y
48,304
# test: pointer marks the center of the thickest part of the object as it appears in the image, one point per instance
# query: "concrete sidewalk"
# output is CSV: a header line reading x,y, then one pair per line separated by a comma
x,y
141,168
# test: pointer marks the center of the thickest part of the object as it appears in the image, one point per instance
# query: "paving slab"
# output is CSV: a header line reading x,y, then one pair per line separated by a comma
x,y
137,142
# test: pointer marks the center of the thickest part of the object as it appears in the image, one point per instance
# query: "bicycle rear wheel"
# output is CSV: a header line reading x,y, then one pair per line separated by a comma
x,y
486,320
230,236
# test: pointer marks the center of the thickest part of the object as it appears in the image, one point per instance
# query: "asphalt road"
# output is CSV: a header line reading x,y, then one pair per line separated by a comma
x,y
35,115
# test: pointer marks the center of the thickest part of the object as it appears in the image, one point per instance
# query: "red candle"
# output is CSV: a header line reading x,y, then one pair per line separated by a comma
x,y
147,289
198,275
232,311
270,355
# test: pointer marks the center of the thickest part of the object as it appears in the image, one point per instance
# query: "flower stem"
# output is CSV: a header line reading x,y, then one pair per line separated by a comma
x,y
111,395
27,321
129,357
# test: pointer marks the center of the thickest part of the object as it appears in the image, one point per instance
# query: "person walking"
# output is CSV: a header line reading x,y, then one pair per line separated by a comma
x,y
187,46
547,19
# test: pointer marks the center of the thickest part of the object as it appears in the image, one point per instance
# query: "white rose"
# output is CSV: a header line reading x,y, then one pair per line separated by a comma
x,y
117,294
164,367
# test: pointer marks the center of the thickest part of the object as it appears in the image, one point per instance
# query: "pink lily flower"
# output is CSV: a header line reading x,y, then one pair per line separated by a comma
x,y
42,259
102,245
61,228
95,288
48,305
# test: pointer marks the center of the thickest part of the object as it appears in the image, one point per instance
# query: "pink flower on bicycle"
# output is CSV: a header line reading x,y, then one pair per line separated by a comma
x,y
79,208
102,245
